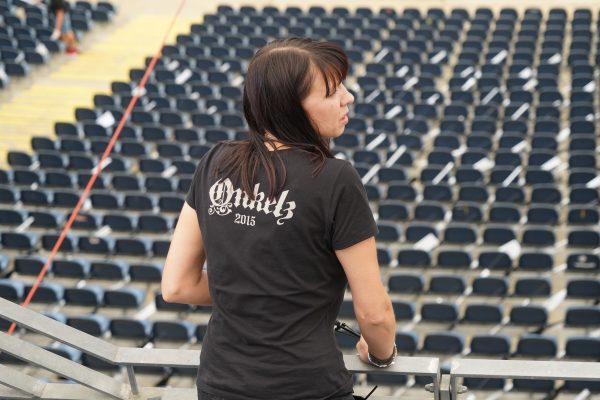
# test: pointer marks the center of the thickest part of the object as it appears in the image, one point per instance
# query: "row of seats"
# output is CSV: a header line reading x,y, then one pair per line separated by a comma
x,y
439,312
79,268
498,260
105,200
144,223
105,245
532,286
460,234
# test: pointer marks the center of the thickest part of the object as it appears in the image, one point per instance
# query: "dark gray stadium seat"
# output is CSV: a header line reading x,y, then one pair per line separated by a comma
x,y
444,342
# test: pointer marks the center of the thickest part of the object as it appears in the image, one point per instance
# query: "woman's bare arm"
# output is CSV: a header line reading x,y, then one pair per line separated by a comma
x,y
372,305
183,280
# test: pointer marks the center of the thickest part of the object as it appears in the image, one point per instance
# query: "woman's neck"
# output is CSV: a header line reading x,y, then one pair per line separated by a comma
x,y
272,143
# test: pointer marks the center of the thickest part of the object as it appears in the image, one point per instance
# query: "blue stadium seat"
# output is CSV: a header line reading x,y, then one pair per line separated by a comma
x,y
444,342
490,286
126,297
583,288
533,287
491,344
47,293
405,283
439,192
162,305
583,347
529,315
12,290
392,211
176,331
494,260
131,247
406,342
403,310
483,313
145,272
456,259
127,328
537,346
447,284
93,324
498,235
460,234
439,312
415,232
19,241
414,258
535,261
583,316
583,262
583,238
388,232
86,296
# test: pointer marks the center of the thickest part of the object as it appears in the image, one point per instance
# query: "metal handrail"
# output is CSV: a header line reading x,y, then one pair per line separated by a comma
x,y
522,369
24,386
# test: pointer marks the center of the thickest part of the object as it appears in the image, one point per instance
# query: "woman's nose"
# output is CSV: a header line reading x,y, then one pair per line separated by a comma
x,y
348,98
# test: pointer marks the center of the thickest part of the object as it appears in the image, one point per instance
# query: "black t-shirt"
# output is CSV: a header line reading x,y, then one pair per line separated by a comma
x,y
274,278
56,5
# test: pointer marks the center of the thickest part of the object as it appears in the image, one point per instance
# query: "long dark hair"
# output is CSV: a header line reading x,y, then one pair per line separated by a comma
x,y
279,77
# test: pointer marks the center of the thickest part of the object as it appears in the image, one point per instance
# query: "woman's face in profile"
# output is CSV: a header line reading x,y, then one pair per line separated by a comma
x,y
329,115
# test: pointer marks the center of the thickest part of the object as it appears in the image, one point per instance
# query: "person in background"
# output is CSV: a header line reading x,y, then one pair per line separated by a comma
x,y
283,227
62,24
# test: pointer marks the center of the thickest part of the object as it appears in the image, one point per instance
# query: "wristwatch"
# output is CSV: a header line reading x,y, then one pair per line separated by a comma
x,y
376,362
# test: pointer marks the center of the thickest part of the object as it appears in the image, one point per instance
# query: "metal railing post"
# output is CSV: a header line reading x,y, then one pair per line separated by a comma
x,y
135,390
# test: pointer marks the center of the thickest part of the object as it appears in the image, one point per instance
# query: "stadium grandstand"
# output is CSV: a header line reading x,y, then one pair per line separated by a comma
x,y
475,132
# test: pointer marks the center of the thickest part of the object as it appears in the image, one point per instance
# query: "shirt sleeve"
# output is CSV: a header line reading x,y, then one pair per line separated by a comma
x,y
194,191
353,220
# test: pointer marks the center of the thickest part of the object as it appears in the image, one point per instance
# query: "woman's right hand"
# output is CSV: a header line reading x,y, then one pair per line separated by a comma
x,y
363,350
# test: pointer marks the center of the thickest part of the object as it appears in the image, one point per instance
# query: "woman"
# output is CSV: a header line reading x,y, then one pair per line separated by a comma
x,y
62,24
282,226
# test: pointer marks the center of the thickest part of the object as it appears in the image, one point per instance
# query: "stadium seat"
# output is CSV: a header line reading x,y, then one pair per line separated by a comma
x,y
126,328
162,305
439,312
403,310
414,258
583,288
47,293
534,261
93,324
494,260
175,331
447,284
490,286
405,283
145,272
483,313
583,347
491,344
85,296
73,268
529,315
444,342
583,316
110,270
124,298
537,346
533,287
12,290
